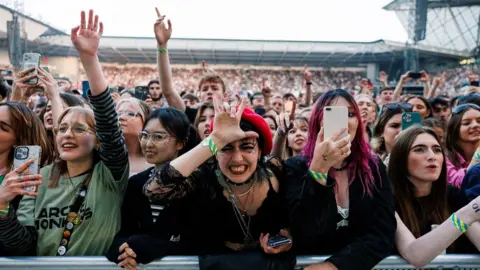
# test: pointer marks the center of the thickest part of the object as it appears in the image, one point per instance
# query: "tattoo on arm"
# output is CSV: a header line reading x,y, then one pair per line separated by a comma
x,y
476,208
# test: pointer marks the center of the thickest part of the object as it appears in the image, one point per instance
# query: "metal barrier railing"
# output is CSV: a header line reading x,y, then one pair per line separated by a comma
x,y
183,262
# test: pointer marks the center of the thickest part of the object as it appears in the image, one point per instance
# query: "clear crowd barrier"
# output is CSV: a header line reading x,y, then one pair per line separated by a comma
x,y
458,262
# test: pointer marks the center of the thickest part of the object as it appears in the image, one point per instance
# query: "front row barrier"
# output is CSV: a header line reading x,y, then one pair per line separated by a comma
x,y
457,262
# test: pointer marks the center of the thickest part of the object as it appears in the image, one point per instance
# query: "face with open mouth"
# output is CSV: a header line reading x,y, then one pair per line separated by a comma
x,y
297,136
75,136
470,126
425,158
238,160
204,122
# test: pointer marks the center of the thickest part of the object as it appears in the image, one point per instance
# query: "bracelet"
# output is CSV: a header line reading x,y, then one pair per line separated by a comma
x,y
476,155
160,51
321,177
308,83
458,223
210,144
4,211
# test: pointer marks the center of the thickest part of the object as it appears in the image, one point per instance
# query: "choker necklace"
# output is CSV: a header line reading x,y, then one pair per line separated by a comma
x,y
230,182
342,168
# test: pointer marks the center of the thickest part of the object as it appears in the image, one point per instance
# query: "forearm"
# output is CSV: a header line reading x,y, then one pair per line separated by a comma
x,y
93,69
15,237
268,105
473,234
426,90
165,70
308,93
432,91
57,108
187,163
398,91
279,144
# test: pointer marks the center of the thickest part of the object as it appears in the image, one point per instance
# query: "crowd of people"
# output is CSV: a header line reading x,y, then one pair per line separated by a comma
x,y
244,180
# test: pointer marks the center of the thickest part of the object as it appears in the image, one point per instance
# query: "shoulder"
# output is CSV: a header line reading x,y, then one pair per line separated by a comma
x,y
140,178
296,163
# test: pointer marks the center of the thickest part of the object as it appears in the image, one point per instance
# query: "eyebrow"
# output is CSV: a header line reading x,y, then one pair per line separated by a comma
x,y
5,123
423,145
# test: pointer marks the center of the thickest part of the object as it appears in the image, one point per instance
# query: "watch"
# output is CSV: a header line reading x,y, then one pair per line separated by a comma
x,y
4,212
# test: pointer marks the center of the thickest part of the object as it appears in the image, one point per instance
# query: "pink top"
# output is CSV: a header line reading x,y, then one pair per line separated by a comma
x,y
456,174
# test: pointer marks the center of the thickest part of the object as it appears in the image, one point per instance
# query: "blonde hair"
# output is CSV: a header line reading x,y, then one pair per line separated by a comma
x,y
144,109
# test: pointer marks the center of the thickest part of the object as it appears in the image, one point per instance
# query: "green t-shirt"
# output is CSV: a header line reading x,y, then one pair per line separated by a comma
x,y
100,212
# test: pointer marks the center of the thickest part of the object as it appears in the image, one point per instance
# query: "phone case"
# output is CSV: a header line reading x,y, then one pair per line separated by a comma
x,y
31,60
141,92
335,118
410,119
24,153
278,240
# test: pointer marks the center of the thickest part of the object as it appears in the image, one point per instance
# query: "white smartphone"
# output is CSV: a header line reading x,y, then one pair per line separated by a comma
x,y
31,60
23,154
335,118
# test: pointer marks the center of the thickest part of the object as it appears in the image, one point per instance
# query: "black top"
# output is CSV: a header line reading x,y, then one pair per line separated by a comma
x,y
369,236
456,199
208,216
191,114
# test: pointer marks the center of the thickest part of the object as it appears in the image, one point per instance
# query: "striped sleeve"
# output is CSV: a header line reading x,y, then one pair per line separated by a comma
x,y
15,238
113,151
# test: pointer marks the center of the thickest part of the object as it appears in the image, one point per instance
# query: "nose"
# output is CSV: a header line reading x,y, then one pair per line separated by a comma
x,y
237,156
68,132
431,155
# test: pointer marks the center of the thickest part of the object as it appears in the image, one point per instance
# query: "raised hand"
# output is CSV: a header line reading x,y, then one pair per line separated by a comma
x,y
329,152
22,90
226,124
86,37
405,77
383,77
266,91
47,83
162,34
307,75
424,76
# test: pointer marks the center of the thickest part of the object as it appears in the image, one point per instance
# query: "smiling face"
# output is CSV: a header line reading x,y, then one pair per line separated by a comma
x,y
75,137
158,146
470,127
419,106
238,160
425,159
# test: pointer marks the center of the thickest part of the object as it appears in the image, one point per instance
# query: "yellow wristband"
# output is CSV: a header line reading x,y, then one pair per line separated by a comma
x,y
321,177
210,144
458,223
160,51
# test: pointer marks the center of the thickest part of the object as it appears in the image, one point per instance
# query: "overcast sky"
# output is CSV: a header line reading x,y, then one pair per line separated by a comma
x,y
316,20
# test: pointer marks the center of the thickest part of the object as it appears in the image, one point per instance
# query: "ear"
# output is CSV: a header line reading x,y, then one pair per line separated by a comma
x,y
179,145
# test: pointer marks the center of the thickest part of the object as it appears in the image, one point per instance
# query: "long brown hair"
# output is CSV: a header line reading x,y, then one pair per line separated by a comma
x,y
378,142
436,205
28,131
453,136
60,166
298,121
202,108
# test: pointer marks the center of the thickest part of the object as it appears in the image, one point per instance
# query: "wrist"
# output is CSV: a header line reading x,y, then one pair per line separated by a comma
x,y
466,214
162,46
4,204
216,139
317,166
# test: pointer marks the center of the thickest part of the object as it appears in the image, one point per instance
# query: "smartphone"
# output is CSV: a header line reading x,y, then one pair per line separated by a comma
x,y
289,107
113,90
279,240
31,60
415,75
474,83
335,118
260,111
410,119
141,92
46,69
25,153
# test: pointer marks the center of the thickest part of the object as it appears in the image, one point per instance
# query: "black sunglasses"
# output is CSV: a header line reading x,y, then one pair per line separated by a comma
x,y
398,106
464,107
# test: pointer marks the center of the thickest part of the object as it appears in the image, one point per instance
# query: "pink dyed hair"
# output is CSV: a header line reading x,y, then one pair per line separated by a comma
x,y
359,167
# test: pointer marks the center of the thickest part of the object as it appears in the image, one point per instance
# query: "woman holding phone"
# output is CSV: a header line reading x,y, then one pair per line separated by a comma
x,y
338,193
82,192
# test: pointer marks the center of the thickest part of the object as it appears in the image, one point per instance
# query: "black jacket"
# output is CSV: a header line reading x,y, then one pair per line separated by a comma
x,y
369,236
147,239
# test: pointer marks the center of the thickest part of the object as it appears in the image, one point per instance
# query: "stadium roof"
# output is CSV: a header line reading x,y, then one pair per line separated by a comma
x,y
451,24
243,52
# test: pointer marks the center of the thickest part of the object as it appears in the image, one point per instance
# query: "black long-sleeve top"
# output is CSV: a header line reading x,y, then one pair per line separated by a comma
x,y
369,236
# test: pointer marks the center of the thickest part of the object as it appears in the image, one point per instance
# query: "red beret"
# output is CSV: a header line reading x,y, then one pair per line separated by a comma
x,y
262,127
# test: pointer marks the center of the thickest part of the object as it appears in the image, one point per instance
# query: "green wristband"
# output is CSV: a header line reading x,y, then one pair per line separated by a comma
x,y
4,212
458,223
321,177
161,51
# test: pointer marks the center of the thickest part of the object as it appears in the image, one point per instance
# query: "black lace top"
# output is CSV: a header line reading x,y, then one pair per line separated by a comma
x,y
211,216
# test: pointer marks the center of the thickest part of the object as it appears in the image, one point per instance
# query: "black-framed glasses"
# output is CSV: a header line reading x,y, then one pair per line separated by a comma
x,y
464,107
398,106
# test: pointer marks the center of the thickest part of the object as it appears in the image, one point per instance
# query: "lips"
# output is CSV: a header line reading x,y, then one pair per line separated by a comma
x,y
207,131
66,146
299,141
432,167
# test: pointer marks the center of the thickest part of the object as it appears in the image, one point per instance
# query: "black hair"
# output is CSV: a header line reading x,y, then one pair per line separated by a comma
x,y
247,126
453,101
176,123
252,97
438,101
71,100
5,89
471,98
153,82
